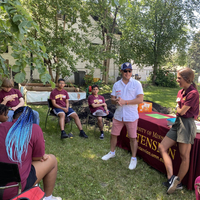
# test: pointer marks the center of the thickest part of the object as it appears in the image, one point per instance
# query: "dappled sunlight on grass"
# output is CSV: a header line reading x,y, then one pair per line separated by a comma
x,y
88,154
58,159
36,106
39,106
159,197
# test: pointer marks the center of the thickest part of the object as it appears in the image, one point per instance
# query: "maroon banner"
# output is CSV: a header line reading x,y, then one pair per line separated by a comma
x,y
150,132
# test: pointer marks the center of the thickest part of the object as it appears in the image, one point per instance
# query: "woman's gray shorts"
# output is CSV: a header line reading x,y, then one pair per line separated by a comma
x,y
183,130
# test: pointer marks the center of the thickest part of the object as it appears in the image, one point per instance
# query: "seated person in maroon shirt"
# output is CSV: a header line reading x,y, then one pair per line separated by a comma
x,y
98,108
13,99
60,101
22,142
3,113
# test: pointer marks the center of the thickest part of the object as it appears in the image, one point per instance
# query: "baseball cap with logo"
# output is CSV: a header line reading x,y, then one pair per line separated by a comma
x,y
126,65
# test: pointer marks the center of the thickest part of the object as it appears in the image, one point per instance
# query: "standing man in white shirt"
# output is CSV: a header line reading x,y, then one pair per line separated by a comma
x,y
127,93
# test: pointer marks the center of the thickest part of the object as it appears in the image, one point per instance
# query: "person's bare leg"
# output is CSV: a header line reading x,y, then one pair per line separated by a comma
x,y
46,170
184,150
163,148
134,146
113,142
100,123
62,120
77,120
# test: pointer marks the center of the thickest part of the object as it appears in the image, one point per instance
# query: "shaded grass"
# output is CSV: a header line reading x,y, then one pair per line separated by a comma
x,y
83,175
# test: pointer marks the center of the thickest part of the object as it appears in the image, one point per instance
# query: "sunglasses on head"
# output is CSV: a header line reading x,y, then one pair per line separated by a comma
x,y
125,71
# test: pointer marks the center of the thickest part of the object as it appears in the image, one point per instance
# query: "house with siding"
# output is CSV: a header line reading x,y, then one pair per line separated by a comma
x,y
113,70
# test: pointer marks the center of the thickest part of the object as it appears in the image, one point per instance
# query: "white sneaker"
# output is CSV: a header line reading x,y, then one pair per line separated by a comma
x,y
133,164
108,156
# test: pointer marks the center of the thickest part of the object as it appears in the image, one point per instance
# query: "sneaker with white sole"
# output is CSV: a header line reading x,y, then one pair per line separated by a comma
x,y
101,136
132,164
108,156
178,187
173,182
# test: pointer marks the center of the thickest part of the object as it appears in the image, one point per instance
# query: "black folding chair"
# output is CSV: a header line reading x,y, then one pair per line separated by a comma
x,y
95,121
9,173
51,113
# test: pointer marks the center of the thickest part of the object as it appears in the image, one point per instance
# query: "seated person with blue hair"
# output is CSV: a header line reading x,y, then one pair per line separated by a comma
x,y
22,142
13,99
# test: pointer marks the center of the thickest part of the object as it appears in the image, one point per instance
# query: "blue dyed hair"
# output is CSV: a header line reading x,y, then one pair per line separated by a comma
x,y
19,135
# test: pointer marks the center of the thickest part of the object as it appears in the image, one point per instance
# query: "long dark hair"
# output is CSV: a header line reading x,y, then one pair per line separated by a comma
x,y
188,75
3,109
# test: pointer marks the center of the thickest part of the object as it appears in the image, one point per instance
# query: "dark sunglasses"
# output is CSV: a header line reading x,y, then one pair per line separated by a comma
x,y
125,71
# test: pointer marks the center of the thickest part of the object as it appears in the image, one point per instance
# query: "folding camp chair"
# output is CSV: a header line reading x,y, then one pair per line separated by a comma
x,y
51,113
95,121
9,173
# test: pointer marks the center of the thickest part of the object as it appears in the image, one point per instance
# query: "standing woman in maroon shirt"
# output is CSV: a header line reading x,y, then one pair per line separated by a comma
x,y
183,130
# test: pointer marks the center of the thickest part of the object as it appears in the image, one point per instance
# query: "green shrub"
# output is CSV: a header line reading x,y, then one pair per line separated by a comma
x,y
165,78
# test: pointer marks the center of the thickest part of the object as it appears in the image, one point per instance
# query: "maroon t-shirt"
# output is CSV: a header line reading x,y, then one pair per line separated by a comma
x,y
36,148
16,95
189,98
59,96
96,100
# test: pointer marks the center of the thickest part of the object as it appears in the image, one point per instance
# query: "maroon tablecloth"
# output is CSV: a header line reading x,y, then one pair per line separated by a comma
x,y
150,132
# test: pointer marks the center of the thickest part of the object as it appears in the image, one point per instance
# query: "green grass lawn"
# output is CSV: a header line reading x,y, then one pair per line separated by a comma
x,y
82,175
164,96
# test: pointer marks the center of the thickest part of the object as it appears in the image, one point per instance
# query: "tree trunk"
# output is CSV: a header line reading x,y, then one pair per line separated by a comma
x,y
154,73
48,62
51,74
107,63
57,70
106,70
57,74
108,41
155,66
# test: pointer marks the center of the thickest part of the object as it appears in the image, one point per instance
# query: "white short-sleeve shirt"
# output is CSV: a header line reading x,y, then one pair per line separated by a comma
x,y
129,91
